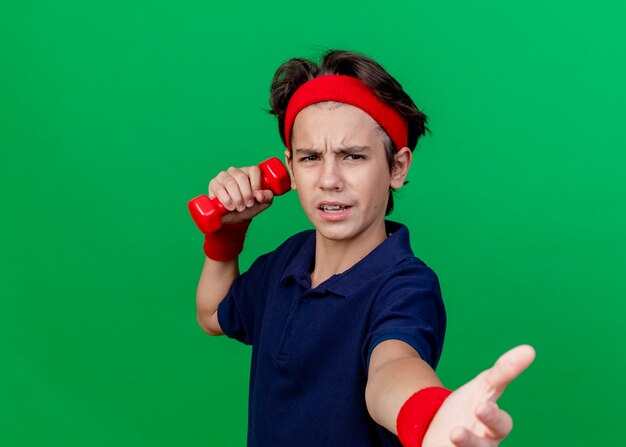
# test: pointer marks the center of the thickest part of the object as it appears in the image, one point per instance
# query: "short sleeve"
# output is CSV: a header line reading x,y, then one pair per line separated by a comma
x,y
409,307
239,310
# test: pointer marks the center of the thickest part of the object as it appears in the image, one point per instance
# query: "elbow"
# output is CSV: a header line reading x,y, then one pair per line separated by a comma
x,y
209,324
372,400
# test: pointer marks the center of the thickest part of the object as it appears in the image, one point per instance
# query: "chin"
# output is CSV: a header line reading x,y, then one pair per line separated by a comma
x,y
333,236
335,232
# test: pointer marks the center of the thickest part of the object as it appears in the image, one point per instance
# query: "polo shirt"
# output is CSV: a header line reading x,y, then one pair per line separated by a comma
x,y
311,346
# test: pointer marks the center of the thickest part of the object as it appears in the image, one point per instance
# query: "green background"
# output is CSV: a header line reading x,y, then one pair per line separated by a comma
x,y
114,114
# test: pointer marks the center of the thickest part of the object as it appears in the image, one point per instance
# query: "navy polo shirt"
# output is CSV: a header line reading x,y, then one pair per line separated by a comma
x,y
311,346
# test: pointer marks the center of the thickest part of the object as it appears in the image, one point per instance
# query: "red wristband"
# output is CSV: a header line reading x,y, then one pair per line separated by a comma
x,y
227,242
417,413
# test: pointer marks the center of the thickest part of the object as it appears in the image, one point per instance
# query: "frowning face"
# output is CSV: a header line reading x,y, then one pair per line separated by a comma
x,y
340,171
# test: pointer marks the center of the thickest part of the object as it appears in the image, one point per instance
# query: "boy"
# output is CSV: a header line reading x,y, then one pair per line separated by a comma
x,y
346,324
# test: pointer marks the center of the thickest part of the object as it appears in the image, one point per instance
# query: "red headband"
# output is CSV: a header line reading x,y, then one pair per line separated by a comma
x,y
348,90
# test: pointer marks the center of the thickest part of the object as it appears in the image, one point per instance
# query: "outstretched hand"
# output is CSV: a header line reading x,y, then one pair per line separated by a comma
x,y
470,416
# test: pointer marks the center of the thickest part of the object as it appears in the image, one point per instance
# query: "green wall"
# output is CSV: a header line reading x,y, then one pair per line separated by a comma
x,y
114,114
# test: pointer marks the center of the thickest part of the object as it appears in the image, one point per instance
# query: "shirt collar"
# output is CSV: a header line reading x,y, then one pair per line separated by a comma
x,y
391,251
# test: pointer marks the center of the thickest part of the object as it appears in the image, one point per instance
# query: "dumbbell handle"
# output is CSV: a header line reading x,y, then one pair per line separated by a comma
x,y
207,213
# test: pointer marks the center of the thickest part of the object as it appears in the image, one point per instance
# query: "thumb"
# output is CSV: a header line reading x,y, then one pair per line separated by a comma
x,y
510,365
264,196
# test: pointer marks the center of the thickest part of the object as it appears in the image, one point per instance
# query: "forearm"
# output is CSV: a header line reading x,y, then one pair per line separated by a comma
x,y
215,281
389,387
239,190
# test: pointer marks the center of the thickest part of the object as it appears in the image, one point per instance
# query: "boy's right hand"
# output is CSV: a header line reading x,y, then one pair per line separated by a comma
x,y
239,190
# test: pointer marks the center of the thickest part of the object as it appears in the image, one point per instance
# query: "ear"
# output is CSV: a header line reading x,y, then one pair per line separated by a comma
x,y
403,159
289,163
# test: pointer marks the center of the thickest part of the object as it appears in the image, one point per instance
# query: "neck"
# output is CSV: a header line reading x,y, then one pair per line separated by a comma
x,y
337,256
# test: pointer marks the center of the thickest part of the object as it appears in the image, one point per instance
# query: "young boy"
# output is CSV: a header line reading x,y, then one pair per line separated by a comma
x,y
346,324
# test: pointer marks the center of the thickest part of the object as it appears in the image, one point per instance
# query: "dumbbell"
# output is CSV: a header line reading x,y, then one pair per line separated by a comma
x,y
207,213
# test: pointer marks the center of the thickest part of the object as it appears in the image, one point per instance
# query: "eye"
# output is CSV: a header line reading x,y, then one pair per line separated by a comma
x,y
355,157
308,158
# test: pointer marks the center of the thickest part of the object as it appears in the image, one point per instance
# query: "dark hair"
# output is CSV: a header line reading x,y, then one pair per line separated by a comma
x,y
295,72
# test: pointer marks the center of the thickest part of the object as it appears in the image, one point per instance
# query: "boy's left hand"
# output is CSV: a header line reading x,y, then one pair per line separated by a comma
x,y
470,417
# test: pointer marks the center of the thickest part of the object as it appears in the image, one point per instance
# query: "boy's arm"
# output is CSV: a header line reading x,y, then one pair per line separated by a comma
x,y
215,281
239,191
396,372
468,417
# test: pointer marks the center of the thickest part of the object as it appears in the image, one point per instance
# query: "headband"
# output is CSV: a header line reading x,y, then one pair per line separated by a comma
x,y
349,90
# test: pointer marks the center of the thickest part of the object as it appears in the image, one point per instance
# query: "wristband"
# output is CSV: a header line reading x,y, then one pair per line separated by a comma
x,y
417,413
227,242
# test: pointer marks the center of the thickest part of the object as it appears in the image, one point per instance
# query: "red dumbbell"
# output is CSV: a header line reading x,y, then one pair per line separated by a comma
x,y
207,213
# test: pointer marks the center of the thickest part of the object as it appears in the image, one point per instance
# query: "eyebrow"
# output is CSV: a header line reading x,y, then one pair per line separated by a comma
x,y
342,150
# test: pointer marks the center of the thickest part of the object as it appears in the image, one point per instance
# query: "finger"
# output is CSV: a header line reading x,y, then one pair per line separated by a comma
x,y
263,201
462,437
217,189
498,422
254,173
240,190
509,366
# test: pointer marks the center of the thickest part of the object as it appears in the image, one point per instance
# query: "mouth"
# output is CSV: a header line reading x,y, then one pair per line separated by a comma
x,y
334,209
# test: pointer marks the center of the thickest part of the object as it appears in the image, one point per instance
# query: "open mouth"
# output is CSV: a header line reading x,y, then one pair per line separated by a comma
x,y
334,209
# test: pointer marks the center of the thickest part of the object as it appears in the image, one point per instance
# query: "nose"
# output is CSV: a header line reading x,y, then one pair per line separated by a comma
x,y
330,175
